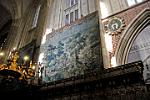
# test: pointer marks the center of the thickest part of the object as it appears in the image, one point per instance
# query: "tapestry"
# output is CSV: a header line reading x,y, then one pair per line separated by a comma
x,y
72,51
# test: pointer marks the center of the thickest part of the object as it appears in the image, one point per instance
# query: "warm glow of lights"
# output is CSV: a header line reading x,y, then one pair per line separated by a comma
x,y
41,56
104,9
26,58
14,48
1,54
113,62
25,72
33,67
46,33
108,41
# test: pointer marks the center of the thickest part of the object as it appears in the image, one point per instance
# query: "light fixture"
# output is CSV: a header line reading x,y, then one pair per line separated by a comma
x,y
1,54
26,58
14,48
12,69
33,67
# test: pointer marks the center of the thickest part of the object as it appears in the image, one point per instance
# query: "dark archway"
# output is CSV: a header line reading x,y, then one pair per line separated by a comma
x,y
5,25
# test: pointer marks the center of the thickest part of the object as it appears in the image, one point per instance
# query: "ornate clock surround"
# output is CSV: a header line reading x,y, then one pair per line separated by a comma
x,y
114,25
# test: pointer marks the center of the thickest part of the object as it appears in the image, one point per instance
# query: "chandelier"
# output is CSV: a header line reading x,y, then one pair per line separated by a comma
x,y
13,70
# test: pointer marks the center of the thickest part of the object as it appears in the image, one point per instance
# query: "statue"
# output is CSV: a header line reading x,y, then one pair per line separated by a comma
x,y
13,60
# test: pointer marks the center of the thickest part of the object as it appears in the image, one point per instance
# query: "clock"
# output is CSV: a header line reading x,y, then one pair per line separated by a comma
x,y
115,25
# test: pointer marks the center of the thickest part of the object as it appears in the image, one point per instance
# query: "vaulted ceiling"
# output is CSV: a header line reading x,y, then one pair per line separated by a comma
x,y
11,9
5,20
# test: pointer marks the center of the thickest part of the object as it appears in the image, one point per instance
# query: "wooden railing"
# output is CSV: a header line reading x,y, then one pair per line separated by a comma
x,y
135,67
125,79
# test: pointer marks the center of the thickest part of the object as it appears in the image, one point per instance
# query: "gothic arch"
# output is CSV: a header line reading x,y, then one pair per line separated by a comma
x,y
12,7
130,34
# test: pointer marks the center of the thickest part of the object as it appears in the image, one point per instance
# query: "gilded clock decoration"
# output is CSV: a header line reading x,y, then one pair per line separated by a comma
x,y
115,25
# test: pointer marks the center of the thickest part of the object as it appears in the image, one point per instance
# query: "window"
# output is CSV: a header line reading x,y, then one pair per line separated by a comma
x,y
71,17
76,1
67,19
76,14
139,1
133,2
104,9
34,24
73,2
71,13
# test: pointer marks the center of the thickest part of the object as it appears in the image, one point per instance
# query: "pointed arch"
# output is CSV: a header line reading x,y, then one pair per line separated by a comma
x,y
12,7
130,34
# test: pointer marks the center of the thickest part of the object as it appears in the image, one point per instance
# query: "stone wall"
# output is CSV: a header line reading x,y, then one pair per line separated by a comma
x,y
118,37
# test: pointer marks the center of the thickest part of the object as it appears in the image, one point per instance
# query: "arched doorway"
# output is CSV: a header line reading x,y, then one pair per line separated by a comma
x,y
140,49
134,44
137,26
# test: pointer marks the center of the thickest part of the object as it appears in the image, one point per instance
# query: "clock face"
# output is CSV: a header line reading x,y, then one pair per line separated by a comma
x,y
115,25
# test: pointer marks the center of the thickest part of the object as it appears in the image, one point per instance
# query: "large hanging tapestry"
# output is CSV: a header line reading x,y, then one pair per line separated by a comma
x,y
72,50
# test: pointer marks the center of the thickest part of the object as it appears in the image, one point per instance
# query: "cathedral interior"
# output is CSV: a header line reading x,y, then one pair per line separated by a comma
x,y
75,49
